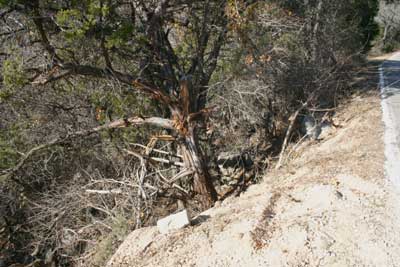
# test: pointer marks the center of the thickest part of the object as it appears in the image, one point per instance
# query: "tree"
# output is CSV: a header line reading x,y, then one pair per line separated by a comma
x,y
390,23
167,50
355,15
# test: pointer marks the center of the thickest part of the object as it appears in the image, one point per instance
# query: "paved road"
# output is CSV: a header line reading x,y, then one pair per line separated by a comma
x,y
390,91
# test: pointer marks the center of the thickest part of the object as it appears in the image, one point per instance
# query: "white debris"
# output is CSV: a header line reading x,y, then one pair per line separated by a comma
x,y
173,222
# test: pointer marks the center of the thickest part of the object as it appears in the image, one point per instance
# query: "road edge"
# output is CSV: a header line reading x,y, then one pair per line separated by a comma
x,y
392,152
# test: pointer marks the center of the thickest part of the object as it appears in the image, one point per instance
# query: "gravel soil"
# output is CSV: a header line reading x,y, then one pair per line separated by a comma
x,y
330,206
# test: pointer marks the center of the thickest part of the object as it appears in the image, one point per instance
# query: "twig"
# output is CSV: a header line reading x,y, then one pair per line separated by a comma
x,y
180,175
161,160
104,192
154,159
289,132
158,151
322,109
165,180
296,146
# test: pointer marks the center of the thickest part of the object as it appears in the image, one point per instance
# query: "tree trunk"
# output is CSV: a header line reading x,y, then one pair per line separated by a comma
x,y
315,49
194,160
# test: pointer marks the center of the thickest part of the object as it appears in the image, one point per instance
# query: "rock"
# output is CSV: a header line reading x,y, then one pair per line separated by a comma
x,y
217,204
173,222
326,130
229,159
310,127
229,163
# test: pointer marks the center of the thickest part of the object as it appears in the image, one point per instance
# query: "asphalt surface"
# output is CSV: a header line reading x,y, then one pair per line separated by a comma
x,y
390,92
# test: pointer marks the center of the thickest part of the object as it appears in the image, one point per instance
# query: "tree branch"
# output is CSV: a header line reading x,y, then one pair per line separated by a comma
x,y
38,21
289,132
121,123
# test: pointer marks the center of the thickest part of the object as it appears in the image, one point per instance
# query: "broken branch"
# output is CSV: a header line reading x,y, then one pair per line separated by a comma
x,y
288,134
121,123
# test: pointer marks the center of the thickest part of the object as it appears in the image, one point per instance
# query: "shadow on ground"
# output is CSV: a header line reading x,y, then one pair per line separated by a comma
x,y
368,77
391,81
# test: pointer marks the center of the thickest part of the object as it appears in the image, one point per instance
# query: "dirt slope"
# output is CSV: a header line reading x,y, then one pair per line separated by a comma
x,y
330,207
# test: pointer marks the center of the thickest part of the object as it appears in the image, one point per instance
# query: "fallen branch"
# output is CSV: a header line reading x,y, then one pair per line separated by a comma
x,y
104,192
121,123
154,159
167,161
168,182
294,148
159,151
292,119
181,175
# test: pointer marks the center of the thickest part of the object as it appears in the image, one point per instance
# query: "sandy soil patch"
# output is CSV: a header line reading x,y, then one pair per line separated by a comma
x,y
331,206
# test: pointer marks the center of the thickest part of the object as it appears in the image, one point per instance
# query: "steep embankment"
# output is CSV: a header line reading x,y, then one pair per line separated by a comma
x,y
330,207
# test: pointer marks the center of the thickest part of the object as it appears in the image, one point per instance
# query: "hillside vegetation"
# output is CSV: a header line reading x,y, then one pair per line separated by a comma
x,y
115,113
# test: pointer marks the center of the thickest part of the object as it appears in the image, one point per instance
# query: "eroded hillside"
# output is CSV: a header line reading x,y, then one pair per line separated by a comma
x,y
331,206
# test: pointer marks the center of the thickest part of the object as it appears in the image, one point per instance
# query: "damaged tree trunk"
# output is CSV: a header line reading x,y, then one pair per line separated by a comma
x,y
194,160
186,115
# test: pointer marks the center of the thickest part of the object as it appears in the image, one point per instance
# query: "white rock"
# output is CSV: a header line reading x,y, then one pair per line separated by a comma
x,y
173,222
326,130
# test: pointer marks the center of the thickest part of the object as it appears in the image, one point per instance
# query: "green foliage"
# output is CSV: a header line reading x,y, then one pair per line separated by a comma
x,y
389,34
366,11
9,138
391,46
7,3
13,77
110,106
184,47
231,65
359,13
12,3
78,20
114,105
106,247
96,9
290,43
73,23
120,35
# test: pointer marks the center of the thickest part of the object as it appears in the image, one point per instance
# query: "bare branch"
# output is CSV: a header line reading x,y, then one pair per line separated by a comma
x,y
104,192
158,151
38,21
289,132
121,123
154,159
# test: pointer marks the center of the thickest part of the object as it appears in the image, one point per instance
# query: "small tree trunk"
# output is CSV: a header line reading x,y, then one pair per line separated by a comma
x,y
194,160
385,34
315,49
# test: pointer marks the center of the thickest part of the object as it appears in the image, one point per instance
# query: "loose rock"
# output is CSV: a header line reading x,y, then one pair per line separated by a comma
x,y
173,222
